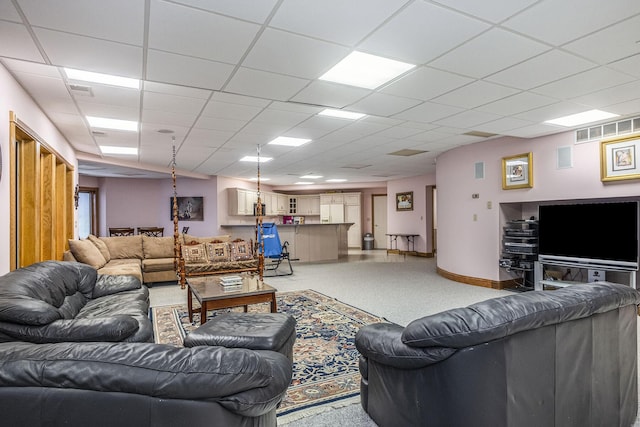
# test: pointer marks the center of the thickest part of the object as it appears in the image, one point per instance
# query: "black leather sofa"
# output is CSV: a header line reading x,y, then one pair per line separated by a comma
x,y
555,358
65,359
55,301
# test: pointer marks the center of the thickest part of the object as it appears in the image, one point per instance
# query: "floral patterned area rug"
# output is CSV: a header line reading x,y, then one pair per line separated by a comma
x,y
325,368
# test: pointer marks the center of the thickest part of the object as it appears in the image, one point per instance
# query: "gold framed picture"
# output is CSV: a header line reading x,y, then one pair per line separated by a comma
x,y
517,171
404,201
618,158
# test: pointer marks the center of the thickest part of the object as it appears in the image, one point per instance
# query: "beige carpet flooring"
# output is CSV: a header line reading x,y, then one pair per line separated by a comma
x,y
395,287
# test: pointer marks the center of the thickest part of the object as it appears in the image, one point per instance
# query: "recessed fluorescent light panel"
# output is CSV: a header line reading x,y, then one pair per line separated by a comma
x,y
104,123
108,149
255,159
303,183
341,114
582,118
261,179
336,180
107,79
289,142
311,176
365,70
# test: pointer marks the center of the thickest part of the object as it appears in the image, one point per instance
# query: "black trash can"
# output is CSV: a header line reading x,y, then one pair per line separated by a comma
x,y
367,243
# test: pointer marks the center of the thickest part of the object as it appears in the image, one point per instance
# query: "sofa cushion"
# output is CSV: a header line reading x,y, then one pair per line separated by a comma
x,y
122,268
218,252
194,254
102,247
86,252
158,247
108,284
157,264
241,250
124,246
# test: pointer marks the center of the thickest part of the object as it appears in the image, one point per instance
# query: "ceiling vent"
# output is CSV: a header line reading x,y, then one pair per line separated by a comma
x,y
480,134
98,133
355,166
81,90
406,152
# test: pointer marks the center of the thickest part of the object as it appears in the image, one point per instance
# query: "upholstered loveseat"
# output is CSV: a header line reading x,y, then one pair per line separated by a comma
x,y
56,301
554,358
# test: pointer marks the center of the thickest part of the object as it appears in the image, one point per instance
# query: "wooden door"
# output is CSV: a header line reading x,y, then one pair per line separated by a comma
x,y
379,221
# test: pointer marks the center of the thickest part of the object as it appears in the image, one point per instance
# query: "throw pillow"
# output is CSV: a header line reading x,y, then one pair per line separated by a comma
x,y
158,247
86,252
102,247
194,254
241,250
217,252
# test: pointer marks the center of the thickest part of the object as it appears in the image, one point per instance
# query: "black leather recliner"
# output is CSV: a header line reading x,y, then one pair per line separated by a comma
x,y
554,358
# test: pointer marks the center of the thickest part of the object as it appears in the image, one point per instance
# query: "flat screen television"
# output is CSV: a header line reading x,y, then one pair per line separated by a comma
x,y
590,234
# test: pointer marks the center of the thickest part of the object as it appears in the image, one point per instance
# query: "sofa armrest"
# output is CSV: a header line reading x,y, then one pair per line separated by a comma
x,y
108,284
382,343
244,381
108,329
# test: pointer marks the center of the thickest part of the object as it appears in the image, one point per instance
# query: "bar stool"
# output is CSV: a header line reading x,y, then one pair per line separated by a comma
x,y
121,231
151,231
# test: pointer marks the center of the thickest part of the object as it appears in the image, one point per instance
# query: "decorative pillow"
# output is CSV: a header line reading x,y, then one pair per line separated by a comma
x,y
241,250
217,252
194,254
86,252
102,247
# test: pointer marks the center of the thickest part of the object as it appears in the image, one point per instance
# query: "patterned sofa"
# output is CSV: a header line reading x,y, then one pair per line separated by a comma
x,y
201,256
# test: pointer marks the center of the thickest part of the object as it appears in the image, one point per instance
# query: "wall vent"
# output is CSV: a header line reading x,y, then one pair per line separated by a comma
x,y
608,130
564,157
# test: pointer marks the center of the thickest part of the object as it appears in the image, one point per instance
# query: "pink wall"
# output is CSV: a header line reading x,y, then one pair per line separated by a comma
x,y
15,99
472,248
417,221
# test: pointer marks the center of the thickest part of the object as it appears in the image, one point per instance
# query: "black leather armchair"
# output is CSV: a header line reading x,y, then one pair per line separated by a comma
x,y
555,358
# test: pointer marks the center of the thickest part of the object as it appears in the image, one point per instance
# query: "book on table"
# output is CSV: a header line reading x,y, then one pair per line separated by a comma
x,y
227,281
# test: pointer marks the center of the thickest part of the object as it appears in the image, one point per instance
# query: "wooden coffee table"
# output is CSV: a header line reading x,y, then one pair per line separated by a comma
x,y
212,295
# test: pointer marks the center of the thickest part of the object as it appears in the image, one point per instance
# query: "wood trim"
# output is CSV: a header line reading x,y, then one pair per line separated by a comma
x,y
13,254
475,281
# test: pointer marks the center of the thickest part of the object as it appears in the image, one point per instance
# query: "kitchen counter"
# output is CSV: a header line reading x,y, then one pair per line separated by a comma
x,y
307,242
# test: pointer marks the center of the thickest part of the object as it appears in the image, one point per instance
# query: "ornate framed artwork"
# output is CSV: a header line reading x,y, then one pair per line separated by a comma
x,y
517,171
189,208
618,158
404,201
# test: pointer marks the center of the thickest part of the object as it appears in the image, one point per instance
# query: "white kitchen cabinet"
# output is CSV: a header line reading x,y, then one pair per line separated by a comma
x,y
240,201
352,214
308,205
332,213
283,204
331,199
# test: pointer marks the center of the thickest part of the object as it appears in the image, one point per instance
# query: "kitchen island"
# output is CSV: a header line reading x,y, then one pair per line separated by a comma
x,y
307,242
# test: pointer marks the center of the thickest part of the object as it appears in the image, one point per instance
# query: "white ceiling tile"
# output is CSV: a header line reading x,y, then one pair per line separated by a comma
x,y
345,22
18,67
589,81
17,42
49,87
184,70
293,55
533,131
190,92
9,12
627,108
428,112
475,94
488,53
324,124
553,111
110,95
232,98
116,20
193,32
467,119
611,44
265,85
250,10
613,95
295,107
425,83
543,69
208,137
560,21
381,104
421,32
330,94
213,123
89,107
491,10
90,54
168,118
227,110
172,103
629,65
517,103
502,125
281,117
399,132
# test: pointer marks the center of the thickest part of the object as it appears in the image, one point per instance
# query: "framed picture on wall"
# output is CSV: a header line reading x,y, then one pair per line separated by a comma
x,y
618,158
517,171
404,201
189,208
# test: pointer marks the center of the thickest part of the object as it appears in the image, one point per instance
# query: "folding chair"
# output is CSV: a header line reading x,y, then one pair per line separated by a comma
x,y
276,255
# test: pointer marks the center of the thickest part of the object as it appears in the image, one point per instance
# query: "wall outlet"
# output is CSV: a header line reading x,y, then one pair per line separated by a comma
x,y
489,204
475,217
475,196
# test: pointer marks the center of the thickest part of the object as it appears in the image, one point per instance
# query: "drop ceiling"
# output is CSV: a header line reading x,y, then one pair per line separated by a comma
x,y
228,76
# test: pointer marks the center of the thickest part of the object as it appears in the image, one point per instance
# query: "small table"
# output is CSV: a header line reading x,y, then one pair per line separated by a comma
x,y
393,238
212,295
